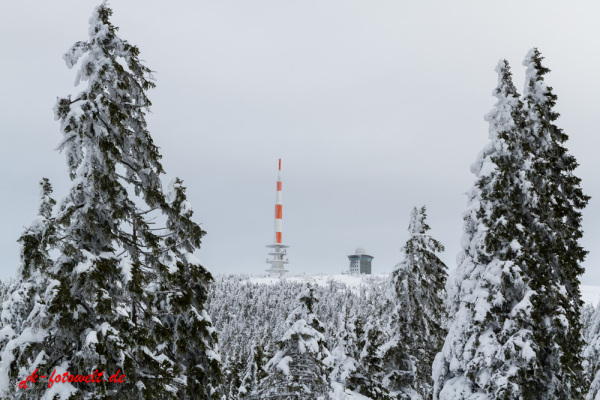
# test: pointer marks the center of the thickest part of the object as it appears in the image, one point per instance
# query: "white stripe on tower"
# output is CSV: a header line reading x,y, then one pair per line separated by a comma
x,y
278,208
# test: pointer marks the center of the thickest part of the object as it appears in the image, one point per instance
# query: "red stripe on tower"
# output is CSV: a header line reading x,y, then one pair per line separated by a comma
x,y
278,208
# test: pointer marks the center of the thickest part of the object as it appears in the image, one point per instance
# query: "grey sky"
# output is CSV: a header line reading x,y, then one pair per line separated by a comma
x,y
374,106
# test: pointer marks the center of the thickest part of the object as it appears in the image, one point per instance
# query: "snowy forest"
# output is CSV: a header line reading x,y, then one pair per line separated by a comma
x,y
108,280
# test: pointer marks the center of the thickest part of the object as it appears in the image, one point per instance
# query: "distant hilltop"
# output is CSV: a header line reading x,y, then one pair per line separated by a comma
x,y
589,294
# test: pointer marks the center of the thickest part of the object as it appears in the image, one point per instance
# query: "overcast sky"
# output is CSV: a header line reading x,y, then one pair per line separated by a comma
x,y
374,106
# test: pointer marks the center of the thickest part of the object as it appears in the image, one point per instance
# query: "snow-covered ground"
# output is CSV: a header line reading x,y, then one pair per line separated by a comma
x,y
589,294
322,280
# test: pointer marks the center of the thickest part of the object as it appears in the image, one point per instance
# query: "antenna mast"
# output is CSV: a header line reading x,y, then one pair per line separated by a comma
x,y
279,249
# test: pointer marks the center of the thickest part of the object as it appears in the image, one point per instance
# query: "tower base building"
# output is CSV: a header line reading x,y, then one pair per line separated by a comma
x,y
279,259
360,262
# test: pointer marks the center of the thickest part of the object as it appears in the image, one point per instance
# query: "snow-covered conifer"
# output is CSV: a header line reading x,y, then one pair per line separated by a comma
x,y
554,255
592,354
487,351
254,371
342,361
39,237
355,362
372,337
417,331
588,315
186,329
517,330
24,302
232,378
126,294
297,371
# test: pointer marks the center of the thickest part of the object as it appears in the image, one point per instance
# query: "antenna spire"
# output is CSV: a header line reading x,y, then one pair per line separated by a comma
x,y
279,251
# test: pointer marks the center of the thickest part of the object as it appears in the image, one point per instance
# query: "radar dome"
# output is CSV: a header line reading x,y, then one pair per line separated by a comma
x,y
360,250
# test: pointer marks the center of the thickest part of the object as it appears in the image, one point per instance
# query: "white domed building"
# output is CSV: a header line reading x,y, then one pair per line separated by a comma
x,y
360,262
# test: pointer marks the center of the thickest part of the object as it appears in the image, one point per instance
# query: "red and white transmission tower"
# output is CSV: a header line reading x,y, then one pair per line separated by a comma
x,y
279,249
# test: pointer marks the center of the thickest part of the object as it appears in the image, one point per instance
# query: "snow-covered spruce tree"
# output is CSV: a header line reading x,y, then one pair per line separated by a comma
x,y
517,331
32,279
297,371
232,376
24,304
418,293
588,319
254,371
125,295
488,351
348,374
341,361
554,254
592,355
186,330
371,339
